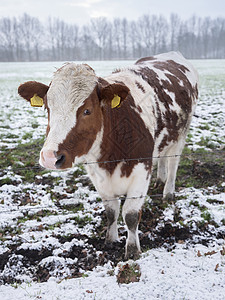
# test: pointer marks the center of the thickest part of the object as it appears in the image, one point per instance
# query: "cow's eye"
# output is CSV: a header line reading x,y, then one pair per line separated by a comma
x,y
87,112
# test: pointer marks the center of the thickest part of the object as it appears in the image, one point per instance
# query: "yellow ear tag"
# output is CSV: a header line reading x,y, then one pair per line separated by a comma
x,y
115,101
36,101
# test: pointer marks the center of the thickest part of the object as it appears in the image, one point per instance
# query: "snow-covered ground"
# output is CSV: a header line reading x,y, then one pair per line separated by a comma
x,y
50,217
182,274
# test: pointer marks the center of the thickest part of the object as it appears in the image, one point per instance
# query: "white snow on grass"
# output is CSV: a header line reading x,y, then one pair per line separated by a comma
x,y
201,202
196,273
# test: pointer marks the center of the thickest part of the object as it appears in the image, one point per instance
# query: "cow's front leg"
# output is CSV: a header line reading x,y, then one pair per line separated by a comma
x,y
131,214
112,208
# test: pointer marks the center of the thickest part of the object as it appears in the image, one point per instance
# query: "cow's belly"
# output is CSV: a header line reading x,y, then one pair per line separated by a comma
x,y
111,186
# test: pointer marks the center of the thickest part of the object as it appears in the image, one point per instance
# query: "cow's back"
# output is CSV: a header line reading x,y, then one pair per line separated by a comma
x,y
164,89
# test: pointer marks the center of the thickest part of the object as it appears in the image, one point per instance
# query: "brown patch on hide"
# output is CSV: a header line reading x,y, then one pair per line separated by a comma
x,y
140,86
102,82
125,136
151,77
139,108
144,59
173,124
159,118
184,94
116,71
178,84
82,136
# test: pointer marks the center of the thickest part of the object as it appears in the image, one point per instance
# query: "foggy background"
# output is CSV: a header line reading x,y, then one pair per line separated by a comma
x,y
26,38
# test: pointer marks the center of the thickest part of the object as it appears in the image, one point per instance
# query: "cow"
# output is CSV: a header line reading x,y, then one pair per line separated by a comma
x,y
119,126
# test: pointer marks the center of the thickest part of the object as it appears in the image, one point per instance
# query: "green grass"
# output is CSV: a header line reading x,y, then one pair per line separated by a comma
x,y
6,180
22,160
204,126
206,142
200,168
206,216
27,136
82,221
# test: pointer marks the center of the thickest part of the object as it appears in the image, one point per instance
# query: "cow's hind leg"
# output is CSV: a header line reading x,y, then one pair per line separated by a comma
x,y
169,188
112,209
161,172
173,158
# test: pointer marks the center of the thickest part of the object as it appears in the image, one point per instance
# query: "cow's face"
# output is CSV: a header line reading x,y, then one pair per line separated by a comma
x,y
75,102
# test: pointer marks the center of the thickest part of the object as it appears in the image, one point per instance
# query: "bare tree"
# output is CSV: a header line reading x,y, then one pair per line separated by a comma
x,y
52,38
205,36
90,50
160,33
134,37
26,38
100,28
218,37
31,30
73,42
117,36
6,36
61,37
17,36
174,29
125,29
145,33
152,32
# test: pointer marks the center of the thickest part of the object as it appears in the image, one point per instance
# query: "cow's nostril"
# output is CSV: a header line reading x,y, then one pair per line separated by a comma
x,y
60,160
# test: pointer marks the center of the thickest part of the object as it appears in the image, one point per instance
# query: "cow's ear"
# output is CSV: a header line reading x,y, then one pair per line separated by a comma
x,y
33,92
113,94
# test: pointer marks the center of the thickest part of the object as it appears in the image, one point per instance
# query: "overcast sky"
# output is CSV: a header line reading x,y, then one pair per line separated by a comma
x,y
80,11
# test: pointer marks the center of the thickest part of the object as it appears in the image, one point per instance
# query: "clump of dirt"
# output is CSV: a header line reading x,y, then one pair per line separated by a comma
x,y
129,272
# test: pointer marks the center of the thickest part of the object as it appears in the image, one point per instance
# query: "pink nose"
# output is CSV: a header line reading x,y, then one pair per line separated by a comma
x,y
48,159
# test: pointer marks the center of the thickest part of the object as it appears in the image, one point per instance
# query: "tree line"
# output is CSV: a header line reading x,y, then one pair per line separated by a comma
x,y
25,38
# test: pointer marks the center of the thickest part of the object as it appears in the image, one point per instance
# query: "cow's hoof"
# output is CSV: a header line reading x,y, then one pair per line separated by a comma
x,y
132,252
168,198
159,185
109,243
111,238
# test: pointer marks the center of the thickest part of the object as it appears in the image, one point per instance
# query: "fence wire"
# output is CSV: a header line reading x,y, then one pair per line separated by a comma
x,y
123,197
124,160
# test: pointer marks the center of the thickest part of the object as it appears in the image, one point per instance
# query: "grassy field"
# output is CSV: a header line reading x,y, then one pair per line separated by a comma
x,y
53,223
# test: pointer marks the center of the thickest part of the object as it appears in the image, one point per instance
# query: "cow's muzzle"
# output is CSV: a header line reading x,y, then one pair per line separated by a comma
x,y
52,160
60,160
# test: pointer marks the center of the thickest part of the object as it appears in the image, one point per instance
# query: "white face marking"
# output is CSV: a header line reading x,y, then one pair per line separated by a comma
x,y
71,85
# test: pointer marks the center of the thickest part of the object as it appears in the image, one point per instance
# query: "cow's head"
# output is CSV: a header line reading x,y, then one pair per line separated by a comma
x,y
75,101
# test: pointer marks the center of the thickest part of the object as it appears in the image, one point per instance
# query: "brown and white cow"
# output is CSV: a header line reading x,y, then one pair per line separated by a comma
x,y
143,111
